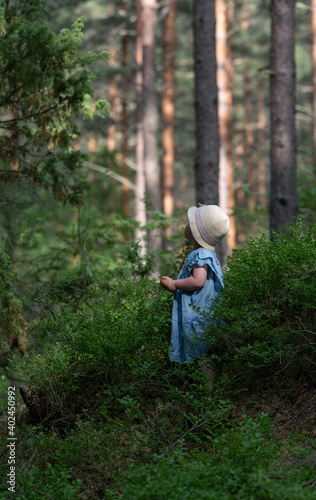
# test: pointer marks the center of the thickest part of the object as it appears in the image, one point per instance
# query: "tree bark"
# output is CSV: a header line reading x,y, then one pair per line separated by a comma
x,y
314,76
283,190
206,103
262,169
168,109
140,205
240,193
251,202
125,151
150,117
225,114
113,96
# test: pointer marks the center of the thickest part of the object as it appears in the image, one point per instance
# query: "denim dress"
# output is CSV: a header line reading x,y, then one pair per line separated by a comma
x,y
188,320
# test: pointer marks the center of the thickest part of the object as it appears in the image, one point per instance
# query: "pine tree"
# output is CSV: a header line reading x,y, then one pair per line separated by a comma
x,y
225,116
206,103
150,116
168,107
314,75
283,189
44,84
140,205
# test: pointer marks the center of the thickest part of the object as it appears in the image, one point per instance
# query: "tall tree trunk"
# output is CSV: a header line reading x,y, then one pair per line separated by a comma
x,y
125,189
113,96
262,170
150,117
283,191
249,140
240,193
168,109
140,205
207,134
314,76
225,114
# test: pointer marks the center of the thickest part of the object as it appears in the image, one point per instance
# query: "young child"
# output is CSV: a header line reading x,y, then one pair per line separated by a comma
x,y
198,284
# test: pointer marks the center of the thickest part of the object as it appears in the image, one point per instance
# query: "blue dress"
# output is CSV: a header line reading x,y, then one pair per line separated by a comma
x,y
188,323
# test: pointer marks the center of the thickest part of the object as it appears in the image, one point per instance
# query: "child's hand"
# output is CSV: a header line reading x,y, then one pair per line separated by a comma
x,y
168,284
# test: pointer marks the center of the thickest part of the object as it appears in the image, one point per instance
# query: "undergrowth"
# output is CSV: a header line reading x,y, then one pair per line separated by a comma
x,y
111,417
266,324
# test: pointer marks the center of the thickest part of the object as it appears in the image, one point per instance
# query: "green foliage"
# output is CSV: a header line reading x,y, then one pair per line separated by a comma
x,y
54,482
44,84
307,194
13,326
119,332
114,322
98,373
267,311
246,463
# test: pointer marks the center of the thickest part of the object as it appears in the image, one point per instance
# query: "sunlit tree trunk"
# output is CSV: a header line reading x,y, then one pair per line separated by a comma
x,y
140,206
168,109
113,96
261,124
225,100
125,151
283,190
150,117
240,193
249,140
314,76
207,134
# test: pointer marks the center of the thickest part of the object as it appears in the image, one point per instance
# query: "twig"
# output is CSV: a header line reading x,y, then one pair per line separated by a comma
x,y
313,481
195,426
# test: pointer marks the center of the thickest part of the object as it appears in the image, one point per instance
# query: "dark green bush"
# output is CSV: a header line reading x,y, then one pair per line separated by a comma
x,y
100,371
13,327
54,482
247,462
111,338
267,310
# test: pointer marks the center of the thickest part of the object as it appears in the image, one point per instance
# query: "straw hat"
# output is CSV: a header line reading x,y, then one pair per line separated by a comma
x,y
209,225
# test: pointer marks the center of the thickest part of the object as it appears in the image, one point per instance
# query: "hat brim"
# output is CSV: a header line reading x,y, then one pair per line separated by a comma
x,y
194,230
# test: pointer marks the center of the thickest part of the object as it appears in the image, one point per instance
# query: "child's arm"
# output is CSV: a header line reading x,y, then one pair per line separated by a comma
x,y
194,282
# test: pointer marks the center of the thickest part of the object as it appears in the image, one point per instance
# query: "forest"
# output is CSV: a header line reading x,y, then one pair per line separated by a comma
x,y
117,116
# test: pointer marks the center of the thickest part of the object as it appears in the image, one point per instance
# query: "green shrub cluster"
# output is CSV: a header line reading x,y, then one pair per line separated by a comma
x,y
13,327
114,334
247,462
266,314
55,481
108,396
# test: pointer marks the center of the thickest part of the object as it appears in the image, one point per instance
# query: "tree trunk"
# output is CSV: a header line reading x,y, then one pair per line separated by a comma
x,y
314,75
113,96
150,117
240,193
207,134
251,202
262,170
125,189
225,114
283,191
168,109
140,206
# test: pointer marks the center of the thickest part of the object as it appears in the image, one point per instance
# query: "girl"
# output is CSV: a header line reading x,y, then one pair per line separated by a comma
x,y
198,284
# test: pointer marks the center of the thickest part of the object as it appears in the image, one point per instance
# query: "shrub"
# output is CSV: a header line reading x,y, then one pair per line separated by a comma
x,y
13,328
112,337
54,483
246,463
267,310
